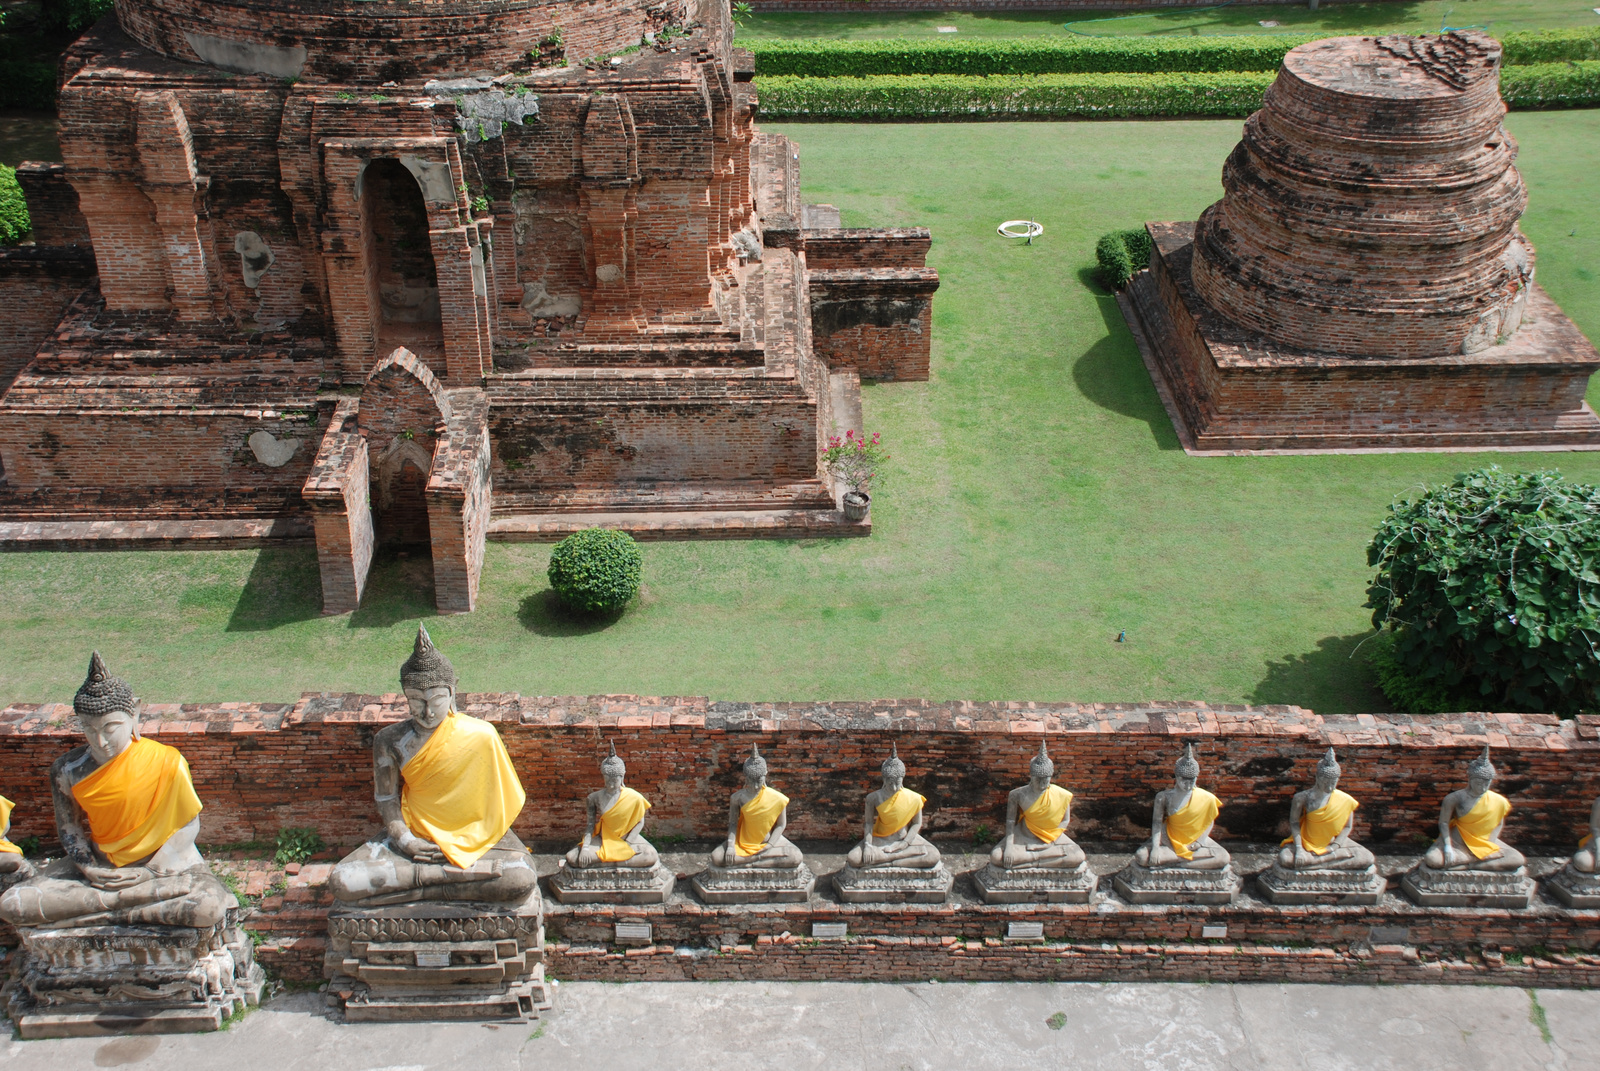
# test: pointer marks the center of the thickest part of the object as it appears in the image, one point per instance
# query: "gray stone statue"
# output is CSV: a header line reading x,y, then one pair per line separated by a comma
x,y
1578,883
1036,860
1469,865
439,845
13,867
893,862
757,863
1181,864
613,863
1318,862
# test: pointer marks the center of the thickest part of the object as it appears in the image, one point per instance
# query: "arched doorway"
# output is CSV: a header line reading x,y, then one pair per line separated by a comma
x,y
400,255
399,501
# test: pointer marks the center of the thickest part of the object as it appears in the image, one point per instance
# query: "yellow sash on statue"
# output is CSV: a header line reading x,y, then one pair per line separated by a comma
x,y
757,818
896,812
1477,826
1319,827
617,822
1043,819
1185,826
5,822
461,791
137,800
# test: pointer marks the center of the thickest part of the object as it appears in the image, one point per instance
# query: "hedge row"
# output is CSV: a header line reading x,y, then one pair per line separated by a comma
x,y
1111,96
1098,55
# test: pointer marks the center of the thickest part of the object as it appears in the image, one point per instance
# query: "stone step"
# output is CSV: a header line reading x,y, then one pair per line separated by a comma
x,y
682,524
220,534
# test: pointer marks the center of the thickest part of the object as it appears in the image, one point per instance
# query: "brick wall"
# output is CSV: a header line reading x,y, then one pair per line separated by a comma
x,y
52,204
37,284
877,322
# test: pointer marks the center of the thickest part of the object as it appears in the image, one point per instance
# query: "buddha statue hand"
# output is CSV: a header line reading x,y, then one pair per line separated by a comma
x,y
418,850
113,877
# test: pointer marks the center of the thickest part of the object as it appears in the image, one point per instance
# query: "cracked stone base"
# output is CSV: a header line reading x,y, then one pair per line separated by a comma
x,y
612,884
754,885
1468,888
1574,888
893,885
1280,885
1035,885
1170,885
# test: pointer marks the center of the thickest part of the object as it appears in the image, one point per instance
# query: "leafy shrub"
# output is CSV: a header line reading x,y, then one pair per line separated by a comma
x,y
1409,695
1550,46
296,844
1552,85
1490,588
596,571
73,15
1121,254
14,221
856,459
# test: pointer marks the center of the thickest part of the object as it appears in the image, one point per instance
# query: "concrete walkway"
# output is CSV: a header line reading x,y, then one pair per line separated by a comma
x,y
870,1027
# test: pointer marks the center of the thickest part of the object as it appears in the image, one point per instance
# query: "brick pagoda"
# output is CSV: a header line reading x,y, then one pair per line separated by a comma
x,y
1363,284
431,272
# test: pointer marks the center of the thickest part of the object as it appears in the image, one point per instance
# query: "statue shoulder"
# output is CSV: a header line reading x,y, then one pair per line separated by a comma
x,y
388,737
72,767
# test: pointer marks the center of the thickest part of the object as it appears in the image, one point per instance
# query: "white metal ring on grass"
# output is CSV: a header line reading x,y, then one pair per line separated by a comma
x,y
1020,228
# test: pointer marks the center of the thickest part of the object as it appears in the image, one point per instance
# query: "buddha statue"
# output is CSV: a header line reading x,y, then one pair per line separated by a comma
x,y
448,794
613,863
893,857
757,863
1181,863
13,867
1036,860
1318,862
1469,865
1578,883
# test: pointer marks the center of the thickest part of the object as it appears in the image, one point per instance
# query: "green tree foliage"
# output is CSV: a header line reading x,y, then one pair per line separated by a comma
x,y
596,571
74,15
14,222
1490,590
1122,253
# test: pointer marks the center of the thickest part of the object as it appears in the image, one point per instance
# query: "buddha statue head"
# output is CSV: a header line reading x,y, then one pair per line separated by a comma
x,y
1041,769
106,710
894,771
1480,773
1187,771
612,769
429,681
755,768
1327,778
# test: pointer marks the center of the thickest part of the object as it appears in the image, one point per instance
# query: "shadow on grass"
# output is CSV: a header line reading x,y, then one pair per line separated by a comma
x,y
543,613
1112,375
1333,679
284,586
399,588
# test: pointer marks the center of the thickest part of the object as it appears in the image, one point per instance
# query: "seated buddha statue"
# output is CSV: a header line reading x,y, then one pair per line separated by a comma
x,y
1470,820
447,793
1039,839
615,818
1180,824
127,817
893,828
1578,883
1586,860
1321,818
757,816
13,867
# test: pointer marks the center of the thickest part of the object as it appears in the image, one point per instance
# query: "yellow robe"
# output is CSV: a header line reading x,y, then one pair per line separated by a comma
x,y
757,818
1319,827
896,812
5,822
1477,826
1185,826
619,819
137,800
461,791
1043,819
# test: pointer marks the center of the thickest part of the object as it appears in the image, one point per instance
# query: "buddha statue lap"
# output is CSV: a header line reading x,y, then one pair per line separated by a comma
x,y
893,863
613,864
757,863
1181,864
1318,863
1036,861
1578,883
1469,865
132,900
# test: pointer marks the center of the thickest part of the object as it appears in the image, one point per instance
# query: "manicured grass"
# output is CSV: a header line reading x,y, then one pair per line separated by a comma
x,y
1039,502
1498,15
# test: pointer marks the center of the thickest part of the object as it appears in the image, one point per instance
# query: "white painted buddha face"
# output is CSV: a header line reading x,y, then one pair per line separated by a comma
x,y
110,734
430,706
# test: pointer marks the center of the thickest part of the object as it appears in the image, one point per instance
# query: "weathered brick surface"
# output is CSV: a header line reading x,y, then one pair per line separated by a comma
x,y
52,204
37,283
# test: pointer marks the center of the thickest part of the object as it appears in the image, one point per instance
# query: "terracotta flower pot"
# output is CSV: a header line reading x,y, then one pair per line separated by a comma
x,y
855,505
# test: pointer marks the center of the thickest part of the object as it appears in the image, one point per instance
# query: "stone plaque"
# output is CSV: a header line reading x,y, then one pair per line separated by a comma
x,y
1024,931
827,930
633,931
1214,931
119,956
433,959
1390,935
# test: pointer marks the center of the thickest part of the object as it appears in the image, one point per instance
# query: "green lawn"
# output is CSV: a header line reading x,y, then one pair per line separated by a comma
x,y
1427,17
1040,503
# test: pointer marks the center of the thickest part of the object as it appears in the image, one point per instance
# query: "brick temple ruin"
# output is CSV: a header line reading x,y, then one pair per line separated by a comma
x,y
431,273
1363,284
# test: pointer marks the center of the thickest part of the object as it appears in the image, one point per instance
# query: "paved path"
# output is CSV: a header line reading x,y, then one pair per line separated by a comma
x,y
752,1026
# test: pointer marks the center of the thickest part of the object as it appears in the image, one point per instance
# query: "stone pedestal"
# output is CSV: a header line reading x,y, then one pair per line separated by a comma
x,y
754,885
893,885
1174,885
439,960
95,981
1035,885
1282,885
612,884
1468,888
1574,888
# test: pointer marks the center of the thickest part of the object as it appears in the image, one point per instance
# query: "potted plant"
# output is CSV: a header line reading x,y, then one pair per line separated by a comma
x,y
854,461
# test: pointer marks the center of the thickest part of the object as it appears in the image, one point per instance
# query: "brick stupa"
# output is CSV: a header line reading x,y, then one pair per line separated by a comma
x,y
429,273
1363,283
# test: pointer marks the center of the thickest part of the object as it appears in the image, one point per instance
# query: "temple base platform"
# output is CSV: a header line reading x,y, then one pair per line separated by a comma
x,y
754,885
612,884
1036,885
1574,888
893,885
1468,888
1281,885
1173,885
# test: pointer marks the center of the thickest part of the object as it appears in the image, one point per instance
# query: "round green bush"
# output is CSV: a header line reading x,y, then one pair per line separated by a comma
x,y
14,222
596,571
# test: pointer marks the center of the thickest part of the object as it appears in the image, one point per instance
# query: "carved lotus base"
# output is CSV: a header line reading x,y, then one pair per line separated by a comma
x,y
612,884
94,981
893,885
754,885
1468,888
1282,885
1173,885
443,960
1574,888
1035,885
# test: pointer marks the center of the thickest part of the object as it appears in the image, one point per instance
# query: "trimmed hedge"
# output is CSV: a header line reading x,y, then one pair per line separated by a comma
x,y
596,571
14,221
1098,55
1552,85
1121,254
